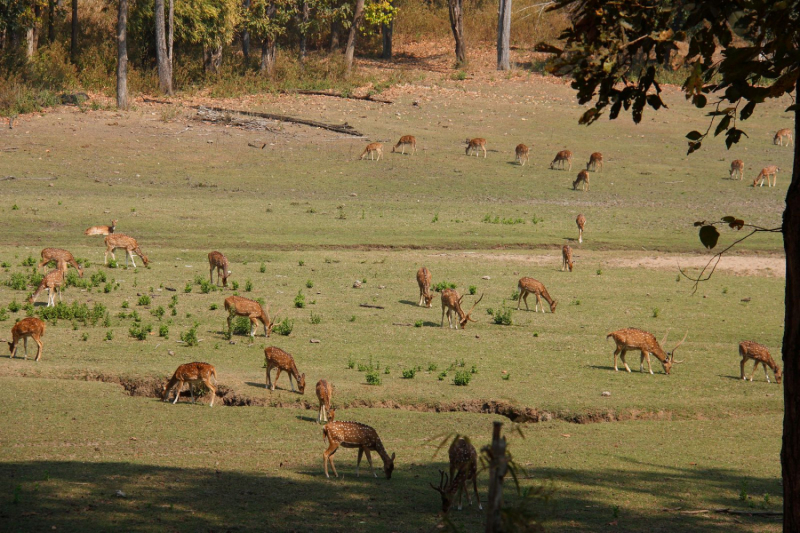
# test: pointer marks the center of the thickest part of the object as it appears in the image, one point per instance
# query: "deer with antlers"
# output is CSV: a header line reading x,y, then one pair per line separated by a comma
x,y
129,244
53,281
406,140
566,255
522,152
581,222
562,157
217,260
737,167
30,327
451,304
759,354
324,395
463,468
476,144
582,180
424,282
193,374
636,339
371,149
58,255
240,306
354,435
101,230
277,358
785,133
595,162
528,286
766,173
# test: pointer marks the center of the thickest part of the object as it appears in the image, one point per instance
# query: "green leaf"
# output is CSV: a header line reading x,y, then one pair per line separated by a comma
x,y
694,135
709,236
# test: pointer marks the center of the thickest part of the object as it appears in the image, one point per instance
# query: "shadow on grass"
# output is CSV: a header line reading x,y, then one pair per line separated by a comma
x,y
407,302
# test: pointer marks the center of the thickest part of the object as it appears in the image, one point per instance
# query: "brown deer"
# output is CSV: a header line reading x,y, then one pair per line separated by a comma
x,y
759,354
527,286
424,282
27,327
595,162
566,253
240,306
463,468
451,303
277,358
58,255
581,222
324,395
636,339
781,134
372,148
737,167
765,173
582,179
52,281
406,140
475,145
564,156
522,153
220,262
129,244
101,230
193,374
354,435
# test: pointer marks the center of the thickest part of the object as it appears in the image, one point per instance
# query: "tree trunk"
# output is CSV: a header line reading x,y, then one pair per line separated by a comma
x,y
305,14
212,59
386,33
246,34
171,38
350,49
122,55
268,57
456,10
503,35
29,43
336,35
73,45
162,59
51,21
37,25
498,467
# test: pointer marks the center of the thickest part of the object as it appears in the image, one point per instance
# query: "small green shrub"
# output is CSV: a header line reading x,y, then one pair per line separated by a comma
x,y
140,332
351,363
3,314
158,312
315,319
241,326
189,337
656,312
432,367
284,328
373,378
113,264
18,281
442,376
109,335
300,299
600,272
409,373
353,318
29,261
309,284
235,285
206,286
505,377
14,306
442,285
262,268
502,316
462,378
163,331
418,323
188,288
474,369
144,300
387,370
248,286
473,290
213,307
85,337
301,263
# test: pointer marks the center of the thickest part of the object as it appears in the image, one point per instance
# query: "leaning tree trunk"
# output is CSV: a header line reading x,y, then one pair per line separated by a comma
x,y
504,35
73,45
162,59
456,9
268,57
386,34
122,55
350,50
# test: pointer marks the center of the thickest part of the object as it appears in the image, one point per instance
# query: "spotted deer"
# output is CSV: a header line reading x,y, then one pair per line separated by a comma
x,y
595,162
759,354
406,140
581,222
372,148
424,282
737,167
277,358
58,255
476,144
781,134
582,179
528,286
522,153
354,435
217,260
463,468
564,156
26,328
240,306
324,395
101,230
636,339
566,254
765,173
52,281
118,240
451,304
193,374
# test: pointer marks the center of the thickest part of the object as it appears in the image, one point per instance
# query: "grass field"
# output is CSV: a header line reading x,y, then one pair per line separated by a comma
x,y
304,217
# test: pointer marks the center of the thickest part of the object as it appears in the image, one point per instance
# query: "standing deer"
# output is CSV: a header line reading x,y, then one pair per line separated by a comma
x,y
527,286
424,282
451,303
636,339
27,327
566,253
354,435
52,281
372,148
101,230
220,262
522,152
193,374
759,354
595,162
240,306
564,156
781,134
463,468
324,395
737,167
581,222
476,144
118,240
58,255
406,140
765,173
277,358
582,179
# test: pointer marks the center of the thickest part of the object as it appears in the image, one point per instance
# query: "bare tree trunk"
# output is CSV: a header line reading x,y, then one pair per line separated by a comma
x,y
73,45
171,38
456,9
246,34
504,35
122,55
498,467
37,25
305,13
162,59
268,57
29,43
51,21
386,34
350,50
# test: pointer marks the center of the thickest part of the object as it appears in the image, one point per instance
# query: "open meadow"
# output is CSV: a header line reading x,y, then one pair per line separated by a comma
x,y
301,219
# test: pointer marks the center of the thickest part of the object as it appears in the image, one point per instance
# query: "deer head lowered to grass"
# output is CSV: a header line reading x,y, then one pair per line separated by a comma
x,y
637,339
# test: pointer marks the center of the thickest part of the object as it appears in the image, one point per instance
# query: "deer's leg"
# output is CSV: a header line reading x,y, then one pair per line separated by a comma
x,y
230,315
442,324
477,496
519,300
254,327
650,368
268,381
25,344
290,381
327,457
766,375
616,353
358,463
369,460
741,368
211,388
622,356
754,369
484,152
277,375
177,392
191,391
538,302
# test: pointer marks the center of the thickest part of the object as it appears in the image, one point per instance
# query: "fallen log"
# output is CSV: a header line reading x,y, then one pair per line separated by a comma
x,y
339,128
368,98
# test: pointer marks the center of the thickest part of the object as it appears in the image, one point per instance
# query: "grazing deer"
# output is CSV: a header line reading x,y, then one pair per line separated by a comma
x,y
220,262
583,178
451,303
354,435
759,354
475,144
527,286
58,255
581,222
240,306
129,244
324,395
424,282
101,230
522,152
372,148
566,253
463,468
564,156
27,327
406,140
595,162
765,173
52,281
779,136
277,358
737,167
636,339
193,374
